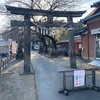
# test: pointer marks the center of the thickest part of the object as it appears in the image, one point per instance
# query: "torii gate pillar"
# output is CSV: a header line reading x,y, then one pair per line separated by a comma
x,y
26,43
71,43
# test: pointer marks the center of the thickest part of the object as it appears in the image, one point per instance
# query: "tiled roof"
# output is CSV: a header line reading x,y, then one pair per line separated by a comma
x,y
79,32
94,13
90,17
97,4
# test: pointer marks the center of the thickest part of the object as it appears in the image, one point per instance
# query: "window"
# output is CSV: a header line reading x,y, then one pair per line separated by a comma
x,y
98,46
97,36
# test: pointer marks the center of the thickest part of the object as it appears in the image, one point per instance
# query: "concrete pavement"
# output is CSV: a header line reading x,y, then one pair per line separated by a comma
x,y
49,81
14,86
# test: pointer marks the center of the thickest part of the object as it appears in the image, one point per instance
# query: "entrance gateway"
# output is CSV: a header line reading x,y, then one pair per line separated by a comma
x,y
27,13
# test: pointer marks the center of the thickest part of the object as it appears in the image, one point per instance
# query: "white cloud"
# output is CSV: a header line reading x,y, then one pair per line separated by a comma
x,y
2,1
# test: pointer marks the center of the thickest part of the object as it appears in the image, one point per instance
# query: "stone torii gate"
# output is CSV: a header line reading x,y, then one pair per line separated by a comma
x,y
27,13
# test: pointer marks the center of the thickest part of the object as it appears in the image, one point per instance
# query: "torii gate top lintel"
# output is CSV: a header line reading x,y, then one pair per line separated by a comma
x,y
37,12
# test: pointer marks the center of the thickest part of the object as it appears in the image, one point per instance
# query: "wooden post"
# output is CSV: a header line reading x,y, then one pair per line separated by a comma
x,y
88,44
93,78
26,44
64,81
71,43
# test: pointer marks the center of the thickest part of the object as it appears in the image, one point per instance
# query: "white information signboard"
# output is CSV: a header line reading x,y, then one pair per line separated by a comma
x,y
79,78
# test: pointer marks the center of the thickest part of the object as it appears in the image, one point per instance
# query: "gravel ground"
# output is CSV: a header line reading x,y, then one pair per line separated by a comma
x,y
14,86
